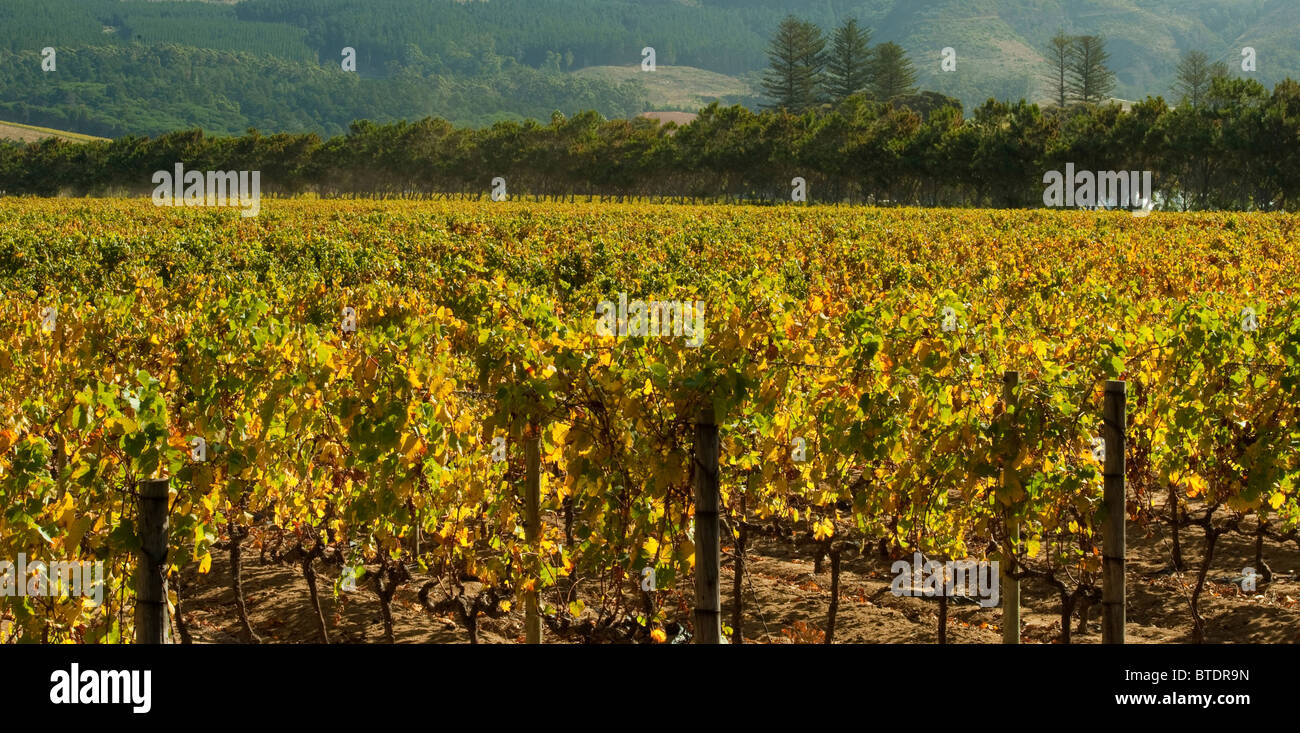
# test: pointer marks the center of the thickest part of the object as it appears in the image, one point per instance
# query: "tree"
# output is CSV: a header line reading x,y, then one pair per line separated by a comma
x,y
892,74
1195,72
849,63
797,59
1090,80
1058,55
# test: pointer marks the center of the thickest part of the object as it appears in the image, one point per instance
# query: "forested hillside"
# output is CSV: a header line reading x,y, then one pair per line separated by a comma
x,y
138,89
138,67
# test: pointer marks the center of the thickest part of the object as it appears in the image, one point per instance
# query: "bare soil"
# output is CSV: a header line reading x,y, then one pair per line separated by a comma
x,y
786,601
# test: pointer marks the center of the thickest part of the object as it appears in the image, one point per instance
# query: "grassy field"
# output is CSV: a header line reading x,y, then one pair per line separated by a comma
x,y
32,133
673,87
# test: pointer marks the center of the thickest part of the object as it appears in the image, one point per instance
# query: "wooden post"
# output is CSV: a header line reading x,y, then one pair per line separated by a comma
x,y
532,528
737,585
150,574
708,550
1010,585
1114,427
835,593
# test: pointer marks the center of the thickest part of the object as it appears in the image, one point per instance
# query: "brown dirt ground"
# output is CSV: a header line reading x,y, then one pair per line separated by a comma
x,y
786,602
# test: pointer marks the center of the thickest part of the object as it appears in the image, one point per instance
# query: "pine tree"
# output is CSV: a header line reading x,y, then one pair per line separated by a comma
x,y
1091,81
892,74
797,59
1195,73
1058,55
849,63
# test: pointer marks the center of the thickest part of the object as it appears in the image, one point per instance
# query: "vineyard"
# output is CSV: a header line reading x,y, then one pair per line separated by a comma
x,y
364,393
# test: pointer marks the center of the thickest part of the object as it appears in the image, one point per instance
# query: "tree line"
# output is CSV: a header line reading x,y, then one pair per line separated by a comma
x,y
1233,149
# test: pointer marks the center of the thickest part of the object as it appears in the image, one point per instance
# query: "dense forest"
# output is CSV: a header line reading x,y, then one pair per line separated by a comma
x,y
137,67
1239,148
140,89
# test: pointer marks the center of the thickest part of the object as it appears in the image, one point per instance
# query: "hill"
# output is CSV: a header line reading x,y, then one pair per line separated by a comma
x,y
144,67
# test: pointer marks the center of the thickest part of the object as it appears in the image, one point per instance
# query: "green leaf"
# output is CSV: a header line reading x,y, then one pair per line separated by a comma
x,y
123,537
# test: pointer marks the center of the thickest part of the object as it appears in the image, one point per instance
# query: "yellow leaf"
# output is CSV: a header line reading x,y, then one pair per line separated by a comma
x,y
686,551
63,509
205,564
823,529
412,448
659,636
651,548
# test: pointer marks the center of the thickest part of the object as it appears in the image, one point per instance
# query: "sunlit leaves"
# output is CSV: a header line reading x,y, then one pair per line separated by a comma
x,y
480,334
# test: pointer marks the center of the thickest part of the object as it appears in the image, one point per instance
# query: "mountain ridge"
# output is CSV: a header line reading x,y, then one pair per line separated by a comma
x,y
477,62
